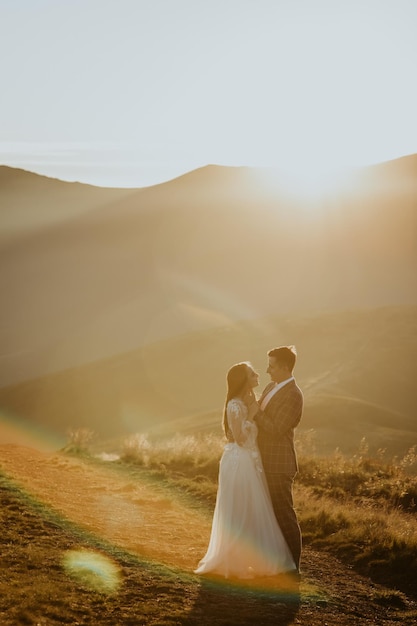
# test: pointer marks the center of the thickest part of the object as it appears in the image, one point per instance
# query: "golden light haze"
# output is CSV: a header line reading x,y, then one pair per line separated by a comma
x,y
123,315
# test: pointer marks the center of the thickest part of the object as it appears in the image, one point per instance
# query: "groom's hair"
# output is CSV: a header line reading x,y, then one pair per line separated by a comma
x,y
285,355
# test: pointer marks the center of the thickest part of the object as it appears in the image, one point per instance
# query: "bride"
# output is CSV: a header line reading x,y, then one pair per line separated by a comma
x,y
245,540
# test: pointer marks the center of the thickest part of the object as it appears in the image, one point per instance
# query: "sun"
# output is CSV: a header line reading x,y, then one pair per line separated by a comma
x,y
313,180
306,182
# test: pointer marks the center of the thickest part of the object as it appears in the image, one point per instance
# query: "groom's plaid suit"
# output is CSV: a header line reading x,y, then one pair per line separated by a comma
x,y
276,424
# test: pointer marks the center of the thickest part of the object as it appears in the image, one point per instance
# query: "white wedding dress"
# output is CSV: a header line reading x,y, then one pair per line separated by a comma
x,y
245,540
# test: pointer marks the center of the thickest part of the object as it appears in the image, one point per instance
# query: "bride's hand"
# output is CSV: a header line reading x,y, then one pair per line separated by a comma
x,y
253,409
249,398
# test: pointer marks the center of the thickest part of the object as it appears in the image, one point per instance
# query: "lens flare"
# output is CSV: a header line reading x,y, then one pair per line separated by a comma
x,y
17,430
93,570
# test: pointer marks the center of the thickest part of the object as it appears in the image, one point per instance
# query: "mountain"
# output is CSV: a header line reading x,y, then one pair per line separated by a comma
x,y
89,273
30,202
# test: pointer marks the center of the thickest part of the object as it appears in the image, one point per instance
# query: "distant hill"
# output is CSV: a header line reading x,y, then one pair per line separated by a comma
x,y
30,202
357,370
89,273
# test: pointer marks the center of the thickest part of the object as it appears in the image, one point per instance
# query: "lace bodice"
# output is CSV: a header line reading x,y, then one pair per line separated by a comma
x,y
243,430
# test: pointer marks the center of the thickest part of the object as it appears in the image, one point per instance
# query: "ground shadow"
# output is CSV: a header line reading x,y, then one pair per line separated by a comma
x,y
267,601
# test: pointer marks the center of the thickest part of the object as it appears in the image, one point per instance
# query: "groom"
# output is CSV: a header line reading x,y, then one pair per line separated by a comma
x,y
281,406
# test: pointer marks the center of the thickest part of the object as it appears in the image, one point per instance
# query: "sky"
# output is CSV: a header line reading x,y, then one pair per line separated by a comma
x,y
130,93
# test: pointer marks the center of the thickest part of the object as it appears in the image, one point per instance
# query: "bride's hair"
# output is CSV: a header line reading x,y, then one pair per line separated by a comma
x,y
237,377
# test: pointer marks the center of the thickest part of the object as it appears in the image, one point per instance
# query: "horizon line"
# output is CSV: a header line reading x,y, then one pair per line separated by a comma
x,y
45,169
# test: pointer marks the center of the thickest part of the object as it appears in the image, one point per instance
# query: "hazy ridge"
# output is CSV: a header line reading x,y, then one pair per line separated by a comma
x,y
129,267
356,370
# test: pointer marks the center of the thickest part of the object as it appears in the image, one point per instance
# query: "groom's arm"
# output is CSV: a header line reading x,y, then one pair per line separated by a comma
x,y
286,415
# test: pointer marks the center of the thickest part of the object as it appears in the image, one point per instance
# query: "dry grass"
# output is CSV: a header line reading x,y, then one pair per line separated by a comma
x,y
363,478
55,570
376,540
190,455
360,508
79,440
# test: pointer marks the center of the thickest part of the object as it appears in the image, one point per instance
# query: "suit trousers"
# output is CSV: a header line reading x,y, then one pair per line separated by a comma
x,y
280,489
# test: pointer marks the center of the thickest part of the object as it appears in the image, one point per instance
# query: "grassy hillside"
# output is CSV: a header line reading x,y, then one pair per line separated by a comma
x,y
356,369
81,544
360,507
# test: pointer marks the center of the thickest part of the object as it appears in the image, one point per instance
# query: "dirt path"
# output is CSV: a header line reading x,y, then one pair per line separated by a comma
x,y
149,521
143,518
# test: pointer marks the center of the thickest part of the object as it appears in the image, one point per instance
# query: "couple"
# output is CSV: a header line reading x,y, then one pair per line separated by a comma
x,y
255,531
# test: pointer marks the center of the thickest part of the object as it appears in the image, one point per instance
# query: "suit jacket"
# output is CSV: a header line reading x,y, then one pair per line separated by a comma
x,y
276,426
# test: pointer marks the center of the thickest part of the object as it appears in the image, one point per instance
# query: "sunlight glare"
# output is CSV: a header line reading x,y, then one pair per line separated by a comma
x,y
306,182
92,569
